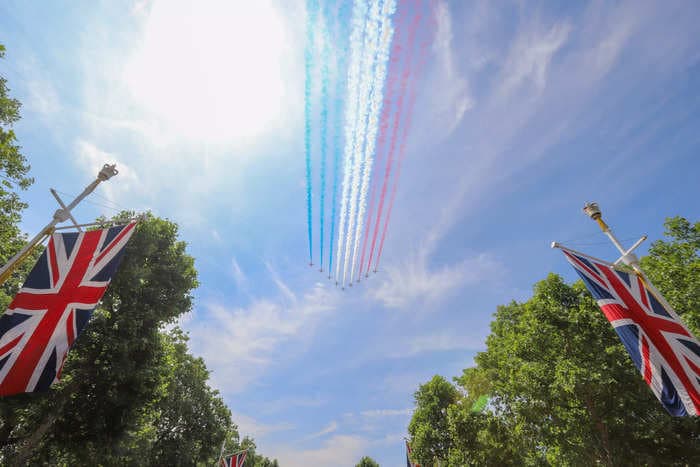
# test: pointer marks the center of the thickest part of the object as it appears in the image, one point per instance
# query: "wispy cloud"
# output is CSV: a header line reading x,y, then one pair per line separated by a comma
x,y
249,426
238,344
328,429
413,280
337,450
238,275
530,57
385,412
454,98
435,342
91,158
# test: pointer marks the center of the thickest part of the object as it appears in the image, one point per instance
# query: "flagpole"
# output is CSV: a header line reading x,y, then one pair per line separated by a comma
x,y
221,453
628,257
61,215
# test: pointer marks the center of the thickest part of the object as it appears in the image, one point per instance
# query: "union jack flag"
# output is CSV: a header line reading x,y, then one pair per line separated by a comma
x,y
234,460
54,305
409,463
664,351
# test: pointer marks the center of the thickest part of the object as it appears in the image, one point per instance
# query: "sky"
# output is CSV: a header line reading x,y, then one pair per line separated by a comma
x,y
525,111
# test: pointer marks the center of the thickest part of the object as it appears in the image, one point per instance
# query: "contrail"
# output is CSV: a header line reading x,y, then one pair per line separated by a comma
x,y
402,150
311,6
394,135
383,127
324,129
358,23
371,36
386,33
340,68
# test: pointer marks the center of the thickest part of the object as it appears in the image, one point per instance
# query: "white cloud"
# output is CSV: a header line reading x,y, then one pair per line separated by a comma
x,y
283,403
248,426
530,56
435,342
413,280
454,98
238,344
337,450
43,97
238,275
90,158
328,429
385,412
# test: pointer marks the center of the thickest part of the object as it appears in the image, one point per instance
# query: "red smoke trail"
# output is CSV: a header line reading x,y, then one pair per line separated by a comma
x,y
404,136
384,124
394,133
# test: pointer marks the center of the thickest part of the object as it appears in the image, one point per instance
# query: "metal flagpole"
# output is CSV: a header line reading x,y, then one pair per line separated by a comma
x,y
61,215
221,453
628,257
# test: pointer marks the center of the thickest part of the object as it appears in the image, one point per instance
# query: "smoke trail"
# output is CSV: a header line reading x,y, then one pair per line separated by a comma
x,y
386,33
402,150
308,63
358,23
383,126
371,37
394,134
340,68
324,124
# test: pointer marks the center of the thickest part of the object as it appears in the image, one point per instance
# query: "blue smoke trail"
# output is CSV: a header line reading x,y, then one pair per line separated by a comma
x,y
337,149
324,124
311,6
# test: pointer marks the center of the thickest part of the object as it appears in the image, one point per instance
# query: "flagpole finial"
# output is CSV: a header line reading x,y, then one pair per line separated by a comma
x,y
108,171
592,210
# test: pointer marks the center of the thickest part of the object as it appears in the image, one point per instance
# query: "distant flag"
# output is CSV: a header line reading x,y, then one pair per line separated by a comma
x,y
409,463
234,460
665,352
54,305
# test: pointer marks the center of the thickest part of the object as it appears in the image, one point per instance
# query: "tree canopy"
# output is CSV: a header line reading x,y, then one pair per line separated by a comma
x,y
367,461
562,389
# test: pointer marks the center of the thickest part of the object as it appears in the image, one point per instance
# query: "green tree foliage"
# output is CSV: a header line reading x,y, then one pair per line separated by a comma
x,y
674,268
563,390
13,176
367,462
428,427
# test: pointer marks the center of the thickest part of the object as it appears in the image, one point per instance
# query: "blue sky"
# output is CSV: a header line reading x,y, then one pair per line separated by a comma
x,y
525,111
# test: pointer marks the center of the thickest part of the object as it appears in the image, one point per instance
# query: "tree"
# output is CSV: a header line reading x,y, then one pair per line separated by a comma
x,y
428,427
13,173
674,268
367,462
562,388
189,414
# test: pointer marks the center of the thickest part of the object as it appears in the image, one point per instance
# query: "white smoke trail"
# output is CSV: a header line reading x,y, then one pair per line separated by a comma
x,y
369,51
359,18
382,58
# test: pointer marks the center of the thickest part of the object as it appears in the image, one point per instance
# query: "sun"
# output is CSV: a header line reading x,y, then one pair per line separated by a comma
x,y
210,70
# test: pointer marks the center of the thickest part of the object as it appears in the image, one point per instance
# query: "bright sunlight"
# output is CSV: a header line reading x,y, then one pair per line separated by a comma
x,y
210,70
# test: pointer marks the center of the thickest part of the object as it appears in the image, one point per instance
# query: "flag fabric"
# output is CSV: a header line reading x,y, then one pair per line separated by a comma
x,y
54,305
409,463
234,460
664,351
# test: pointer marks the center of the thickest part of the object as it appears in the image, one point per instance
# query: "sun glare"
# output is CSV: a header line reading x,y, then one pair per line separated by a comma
x,y
211,70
